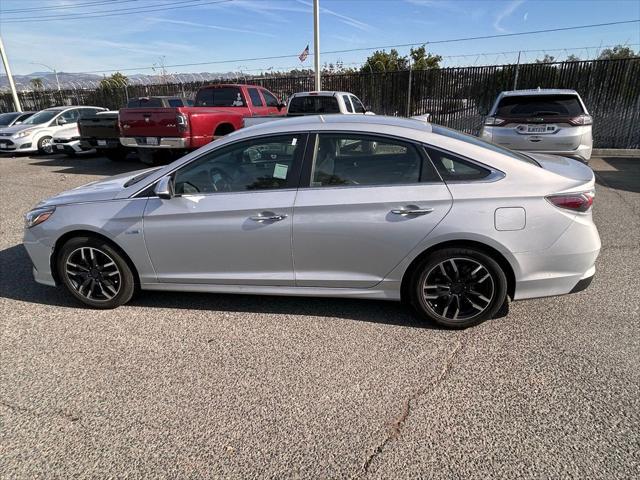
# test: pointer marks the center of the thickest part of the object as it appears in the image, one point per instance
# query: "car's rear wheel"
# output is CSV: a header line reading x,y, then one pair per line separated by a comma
x,y
95,272
458,287
45,145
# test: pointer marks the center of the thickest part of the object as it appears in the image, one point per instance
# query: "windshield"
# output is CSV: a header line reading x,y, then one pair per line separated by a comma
x,y
478,142
524,106
313,105
41,117
7,118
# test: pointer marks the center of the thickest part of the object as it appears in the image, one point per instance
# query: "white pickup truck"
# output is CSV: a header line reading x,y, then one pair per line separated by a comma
x,y
316,103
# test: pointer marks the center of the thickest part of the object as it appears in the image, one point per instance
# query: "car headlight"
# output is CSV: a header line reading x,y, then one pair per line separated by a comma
x,y
24,133
37,216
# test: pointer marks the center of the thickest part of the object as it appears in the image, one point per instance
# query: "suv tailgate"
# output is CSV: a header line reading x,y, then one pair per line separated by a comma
x,y
104,125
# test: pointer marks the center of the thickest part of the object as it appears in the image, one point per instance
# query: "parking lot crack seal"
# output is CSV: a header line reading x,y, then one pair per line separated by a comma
x,y
397,425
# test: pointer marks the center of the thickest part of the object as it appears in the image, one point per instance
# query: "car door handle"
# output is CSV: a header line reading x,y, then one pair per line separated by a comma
x,y
412,211
268,218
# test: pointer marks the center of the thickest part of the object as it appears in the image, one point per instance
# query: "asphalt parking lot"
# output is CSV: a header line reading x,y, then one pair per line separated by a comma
x,y
204,386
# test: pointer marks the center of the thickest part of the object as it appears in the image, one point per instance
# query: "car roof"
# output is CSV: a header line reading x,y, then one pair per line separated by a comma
x,y
320,93
538,91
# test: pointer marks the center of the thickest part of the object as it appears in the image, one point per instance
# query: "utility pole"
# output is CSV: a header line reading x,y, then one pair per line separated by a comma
x,y
515,80
316,43
5,62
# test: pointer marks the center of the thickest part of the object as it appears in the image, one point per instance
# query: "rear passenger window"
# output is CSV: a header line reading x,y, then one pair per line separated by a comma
x,y
256,101
455,169
344,159
347,103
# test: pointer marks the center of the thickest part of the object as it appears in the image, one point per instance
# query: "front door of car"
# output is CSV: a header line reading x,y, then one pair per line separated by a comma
x,y
370,201
272,103
230,219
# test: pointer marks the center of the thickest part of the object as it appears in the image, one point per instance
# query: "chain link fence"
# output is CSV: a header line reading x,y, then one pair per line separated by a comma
x,y
453,96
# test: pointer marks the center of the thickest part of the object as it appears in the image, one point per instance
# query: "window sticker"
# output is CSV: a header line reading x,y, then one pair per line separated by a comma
x,y
294,141
280,171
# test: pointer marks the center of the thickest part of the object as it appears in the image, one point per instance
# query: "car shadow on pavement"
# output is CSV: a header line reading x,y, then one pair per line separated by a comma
x,y
88,165
621,173
16,283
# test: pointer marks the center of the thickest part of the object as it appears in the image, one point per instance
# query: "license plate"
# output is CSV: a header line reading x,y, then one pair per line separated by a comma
x,y
102,143
60,147
3,144
536,128
152,141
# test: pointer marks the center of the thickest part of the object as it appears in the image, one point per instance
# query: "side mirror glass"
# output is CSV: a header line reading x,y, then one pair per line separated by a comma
x,y
164,188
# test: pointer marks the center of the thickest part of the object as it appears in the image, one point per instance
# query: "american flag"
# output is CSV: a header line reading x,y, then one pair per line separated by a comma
x,y
305,53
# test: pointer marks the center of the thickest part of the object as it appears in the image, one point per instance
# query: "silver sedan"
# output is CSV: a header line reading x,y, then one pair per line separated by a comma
x,y
338,206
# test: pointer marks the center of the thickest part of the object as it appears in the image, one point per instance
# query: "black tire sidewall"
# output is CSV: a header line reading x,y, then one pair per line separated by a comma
x,y
127,287
499,278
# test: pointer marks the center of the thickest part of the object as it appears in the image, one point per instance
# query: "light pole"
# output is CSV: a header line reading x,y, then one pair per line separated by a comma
x,y
316,43
50,68
12,85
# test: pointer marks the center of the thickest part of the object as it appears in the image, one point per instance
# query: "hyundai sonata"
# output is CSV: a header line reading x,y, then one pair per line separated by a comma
x,y
337,206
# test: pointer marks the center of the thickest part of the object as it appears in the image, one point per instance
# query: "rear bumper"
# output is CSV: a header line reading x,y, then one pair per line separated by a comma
x,y
163,142
101,144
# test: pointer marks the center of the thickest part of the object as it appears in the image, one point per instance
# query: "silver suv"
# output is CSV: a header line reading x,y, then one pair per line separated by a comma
x,y
542,121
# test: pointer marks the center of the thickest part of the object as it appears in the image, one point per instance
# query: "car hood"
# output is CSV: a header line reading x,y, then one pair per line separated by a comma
x,y
18,128
567,167
68,131
98,191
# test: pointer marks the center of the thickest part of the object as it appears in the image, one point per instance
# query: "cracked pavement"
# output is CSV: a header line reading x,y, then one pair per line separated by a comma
x,y
208,386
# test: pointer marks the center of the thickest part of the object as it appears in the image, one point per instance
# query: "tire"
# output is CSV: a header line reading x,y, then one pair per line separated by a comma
x,y
45,145
115,155
147,157
458,287
106,283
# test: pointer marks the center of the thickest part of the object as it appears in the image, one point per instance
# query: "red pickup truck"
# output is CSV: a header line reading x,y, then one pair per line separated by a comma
x,y
218,110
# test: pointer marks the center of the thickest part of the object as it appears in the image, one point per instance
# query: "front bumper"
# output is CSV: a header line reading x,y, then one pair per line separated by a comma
x,y
11,144
40,255
178,143
74,146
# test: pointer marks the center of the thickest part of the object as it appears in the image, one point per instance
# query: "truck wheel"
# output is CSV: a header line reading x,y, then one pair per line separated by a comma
x,y
147,156
115,155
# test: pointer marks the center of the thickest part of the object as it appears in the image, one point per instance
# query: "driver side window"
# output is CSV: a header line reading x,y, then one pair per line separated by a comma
x,y
258,164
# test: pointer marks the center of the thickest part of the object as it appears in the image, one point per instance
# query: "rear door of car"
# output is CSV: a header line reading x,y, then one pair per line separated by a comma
x,y
258,106
365,202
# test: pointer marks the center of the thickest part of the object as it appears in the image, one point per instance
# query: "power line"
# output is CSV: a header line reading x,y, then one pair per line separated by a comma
x,y
117,12
64,7
277,57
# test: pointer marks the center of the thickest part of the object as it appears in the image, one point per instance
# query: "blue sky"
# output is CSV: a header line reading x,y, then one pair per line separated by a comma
x,y
241,29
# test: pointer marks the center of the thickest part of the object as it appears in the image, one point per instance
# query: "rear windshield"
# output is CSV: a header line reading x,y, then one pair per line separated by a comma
x,y
524,106
145,103
447,132
220,97
313,105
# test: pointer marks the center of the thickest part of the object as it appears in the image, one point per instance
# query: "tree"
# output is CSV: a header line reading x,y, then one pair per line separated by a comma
x,y
572,58
115,80
546,59
420,61
383,61
37,83
619,51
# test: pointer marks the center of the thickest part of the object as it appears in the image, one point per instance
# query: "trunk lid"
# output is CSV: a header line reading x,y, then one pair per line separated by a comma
x,y
566,167
149,122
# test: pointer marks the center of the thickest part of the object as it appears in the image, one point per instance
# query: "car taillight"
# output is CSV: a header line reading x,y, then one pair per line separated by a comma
x,y
576,202
182,122
495,121
581,120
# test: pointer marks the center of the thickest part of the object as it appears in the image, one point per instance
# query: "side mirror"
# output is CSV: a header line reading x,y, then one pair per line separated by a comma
x,y
18,122
164,188
369,112
62,121
281,106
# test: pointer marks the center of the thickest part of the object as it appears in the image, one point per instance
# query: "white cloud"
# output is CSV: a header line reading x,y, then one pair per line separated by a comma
x,y
506,13
350,21
213,27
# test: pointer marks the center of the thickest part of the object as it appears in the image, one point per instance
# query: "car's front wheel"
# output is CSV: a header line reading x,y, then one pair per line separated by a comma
x,y
95,272
45,145
458,287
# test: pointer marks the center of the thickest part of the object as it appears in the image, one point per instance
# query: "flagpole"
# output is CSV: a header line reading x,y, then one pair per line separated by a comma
x,y
316,42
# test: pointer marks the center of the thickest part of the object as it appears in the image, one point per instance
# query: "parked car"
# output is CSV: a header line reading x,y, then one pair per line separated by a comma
x,y
159,101
36,132
316,103
67,140
13,118
543,120
100,131
305,206
218,111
